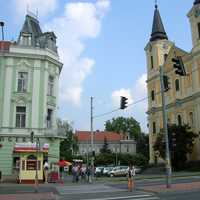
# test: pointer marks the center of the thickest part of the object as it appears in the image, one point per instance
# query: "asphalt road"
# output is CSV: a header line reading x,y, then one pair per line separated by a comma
x,y
108,189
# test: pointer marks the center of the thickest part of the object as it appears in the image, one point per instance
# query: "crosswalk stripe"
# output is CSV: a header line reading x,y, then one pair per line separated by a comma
x,y
135,197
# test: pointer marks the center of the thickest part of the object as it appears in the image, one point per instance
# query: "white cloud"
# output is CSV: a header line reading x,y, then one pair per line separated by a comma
x,y
44,7
140,87
80,21
134,94
118,93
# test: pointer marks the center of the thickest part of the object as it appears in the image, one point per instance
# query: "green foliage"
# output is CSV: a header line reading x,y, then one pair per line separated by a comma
x,y
136,159
105,159
69,145
123,159
181,142
143,145
105,148
124,125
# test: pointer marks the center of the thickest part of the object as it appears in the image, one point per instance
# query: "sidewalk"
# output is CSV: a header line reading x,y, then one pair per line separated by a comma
x,y
174,187
29,196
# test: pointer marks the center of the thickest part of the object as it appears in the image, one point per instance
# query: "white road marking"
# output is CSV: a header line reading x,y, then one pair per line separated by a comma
x,y
135,197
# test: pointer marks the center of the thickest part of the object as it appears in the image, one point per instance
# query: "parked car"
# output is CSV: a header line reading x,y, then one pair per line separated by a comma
x,y
107,170
99,171
119,171
137,169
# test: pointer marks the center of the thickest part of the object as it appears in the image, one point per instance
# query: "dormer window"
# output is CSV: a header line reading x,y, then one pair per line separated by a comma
x,y
25,39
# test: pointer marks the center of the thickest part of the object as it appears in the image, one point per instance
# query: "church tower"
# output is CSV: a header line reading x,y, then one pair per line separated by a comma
x,y
194,17
157,51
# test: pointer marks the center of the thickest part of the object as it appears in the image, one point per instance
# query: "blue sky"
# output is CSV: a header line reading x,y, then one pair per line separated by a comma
x,y
101,43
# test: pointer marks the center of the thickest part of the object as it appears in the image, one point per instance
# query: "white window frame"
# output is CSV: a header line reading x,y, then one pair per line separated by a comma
x,y
23,78
50,86
22,117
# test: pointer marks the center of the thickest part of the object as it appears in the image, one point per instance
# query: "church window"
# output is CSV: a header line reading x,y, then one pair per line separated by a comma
x,y
165,56
152,95
151,62
22,81
179,120
154,127
177,85
50,85
199,29
191,118
20,117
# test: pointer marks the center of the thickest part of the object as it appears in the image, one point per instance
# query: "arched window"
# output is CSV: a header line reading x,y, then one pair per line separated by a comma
x,y
165,56
177,85
199,29
154,127
151,62
152,95
191,118
179,120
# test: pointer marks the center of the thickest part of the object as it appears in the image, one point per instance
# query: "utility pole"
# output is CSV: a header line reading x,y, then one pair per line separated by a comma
x,y
92,137
167,154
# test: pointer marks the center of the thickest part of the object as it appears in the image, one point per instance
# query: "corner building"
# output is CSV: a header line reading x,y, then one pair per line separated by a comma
x,y
29,76
183,98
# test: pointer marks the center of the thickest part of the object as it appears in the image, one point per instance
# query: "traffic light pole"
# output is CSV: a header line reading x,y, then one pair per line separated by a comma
x,y
167,154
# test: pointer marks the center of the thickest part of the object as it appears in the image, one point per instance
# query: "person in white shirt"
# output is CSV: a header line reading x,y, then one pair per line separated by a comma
x,y
131,173
46,168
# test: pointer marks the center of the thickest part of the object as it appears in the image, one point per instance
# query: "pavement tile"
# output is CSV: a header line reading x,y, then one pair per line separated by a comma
x,y
174,187
29,196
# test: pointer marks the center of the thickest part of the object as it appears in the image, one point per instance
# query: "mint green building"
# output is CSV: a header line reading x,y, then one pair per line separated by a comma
x,y
29,77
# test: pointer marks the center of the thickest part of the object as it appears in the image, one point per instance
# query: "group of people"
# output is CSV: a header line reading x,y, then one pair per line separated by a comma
x,y
82,172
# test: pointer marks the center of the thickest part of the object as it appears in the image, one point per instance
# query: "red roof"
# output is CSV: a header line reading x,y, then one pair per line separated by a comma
x,y
98,136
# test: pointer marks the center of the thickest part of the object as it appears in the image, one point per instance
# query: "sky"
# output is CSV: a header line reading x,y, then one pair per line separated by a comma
x,y
101,44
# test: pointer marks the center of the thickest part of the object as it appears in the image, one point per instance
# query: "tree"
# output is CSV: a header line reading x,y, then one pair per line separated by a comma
x,y
69,145
125,126
105,148
181,142
143,145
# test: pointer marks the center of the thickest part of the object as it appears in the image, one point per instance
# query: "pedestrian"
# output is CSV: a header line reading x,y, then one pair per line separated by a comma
x,y
46,168
131,174
89,174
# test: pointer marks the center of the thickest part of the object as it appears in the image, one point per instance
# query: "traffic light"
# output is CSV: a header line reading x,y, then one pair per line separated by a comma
x,y
166,83
32,137
179,66
123,102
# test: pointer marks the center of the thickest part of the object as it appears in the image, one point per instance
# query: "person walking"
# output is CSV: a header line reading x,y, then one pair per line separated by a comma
x,y
131,174
46,168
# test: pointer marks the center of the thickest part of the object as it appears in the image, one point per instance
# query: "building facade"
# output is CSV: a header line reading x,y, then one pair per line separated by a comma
x,y
183,97
29,76
116,143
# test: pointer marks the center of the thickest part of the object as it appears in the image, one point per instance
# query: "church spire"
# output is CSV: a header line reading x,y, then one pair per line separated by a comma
x,y
196,2
158,31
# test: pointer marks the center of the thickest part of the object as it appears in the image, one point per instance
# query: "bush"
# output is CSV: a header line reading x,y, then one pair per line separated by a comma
x,y
193,166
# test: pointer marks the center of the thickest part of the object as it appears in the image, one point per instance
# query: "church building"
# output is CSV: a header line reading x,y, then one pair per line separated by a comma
x,y
183,97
